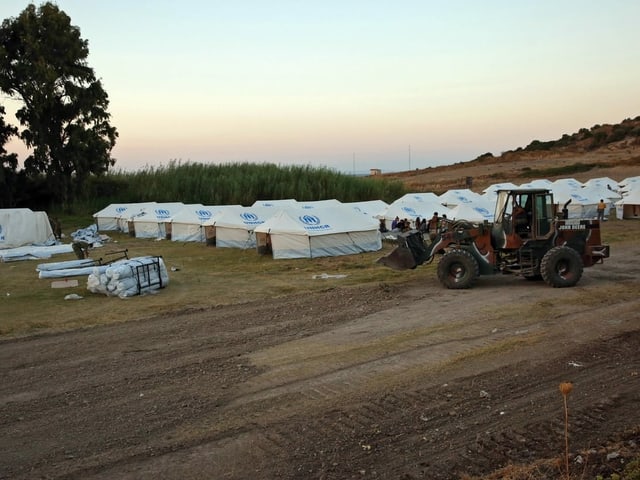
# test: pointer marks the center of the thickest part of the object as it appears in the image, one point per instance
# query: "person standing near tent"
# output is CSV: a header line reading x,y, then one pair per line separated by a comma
x,y
602,207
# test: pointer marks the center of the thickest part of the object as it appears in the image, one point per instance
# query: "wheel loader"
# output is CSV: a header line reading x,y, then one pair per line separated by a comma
x,y
529,237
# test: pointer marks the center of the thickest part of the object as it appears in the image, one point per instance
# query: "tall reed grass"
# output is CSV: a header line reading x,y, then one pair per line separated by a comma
x,y
233,183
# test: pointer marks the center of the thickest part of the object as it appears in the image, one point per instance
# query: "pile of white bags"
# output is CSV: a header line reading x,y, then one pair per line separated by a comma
x,y
127,278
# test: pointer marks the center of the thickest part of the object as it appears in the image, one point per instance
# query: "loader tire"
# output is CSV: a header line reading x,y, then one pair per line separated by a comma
x,y
458,269
561,267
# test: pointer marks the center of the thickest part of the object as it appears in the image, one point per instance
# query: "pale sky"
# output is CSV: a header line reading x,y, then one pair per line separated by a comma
x,y
354,85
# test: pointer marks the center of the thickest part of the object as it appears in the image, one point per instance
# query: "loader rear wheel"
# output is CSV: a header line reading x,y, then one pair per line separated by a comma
x,y
561,267
458,269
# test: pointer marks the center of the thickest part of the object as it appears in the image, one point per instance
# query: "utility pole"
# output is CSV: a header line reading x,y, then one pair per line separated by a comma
x,y
409,156
354,164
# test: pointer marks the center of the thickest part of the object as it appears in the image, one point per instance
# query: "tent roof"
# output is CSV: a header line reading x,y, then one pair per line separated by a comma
x,y
411,210
244,217
319,221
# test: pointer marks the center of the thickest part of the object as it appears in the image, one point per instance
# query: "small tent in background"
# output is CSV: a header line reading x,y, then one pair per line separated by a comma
x,y
115,216
321,232
370,207
538,183
22,226
628,207
286,202
125,220
152,221
420,197
319,204
629,184
479,212
235,227
570,183
498,186
452,198
188,225
605,182
583,204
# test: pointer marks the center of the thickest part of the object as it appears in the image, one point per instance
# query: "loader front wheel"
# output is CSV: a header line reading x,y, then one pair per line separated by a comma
x,y
561,267
458,269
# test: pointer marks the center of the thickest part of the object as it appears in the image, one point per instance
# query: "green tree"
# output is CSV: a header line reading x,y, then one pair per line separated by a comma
x,y
43,62
8,163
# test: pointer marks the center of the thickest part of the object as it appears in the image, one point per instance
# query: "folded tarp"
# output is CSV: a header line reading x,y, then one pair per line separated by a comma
x,y
127,278
33,253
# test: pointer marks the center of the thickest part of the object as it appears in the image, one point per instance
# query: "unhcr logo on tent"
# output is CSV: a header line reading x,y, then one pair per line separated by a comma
x,y
410,211
121,209
203,214
162,213
311,222
2,239
250,218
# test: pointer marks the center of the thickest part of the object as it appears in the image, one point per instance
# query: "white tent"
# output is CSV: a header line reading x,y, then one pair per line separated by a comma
x,y
287,202
421,197
628,207
125,219
111,217
234,227
22,226
499,186
150,223
370,207
474,213
567,182
629,184
539,183
322,232
188,225
319,204
606,182
583,202
451,198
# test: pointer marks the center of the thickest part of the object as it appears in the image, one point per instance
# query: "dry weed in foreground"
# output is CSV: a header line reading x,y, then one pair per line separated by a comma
x,y
565,389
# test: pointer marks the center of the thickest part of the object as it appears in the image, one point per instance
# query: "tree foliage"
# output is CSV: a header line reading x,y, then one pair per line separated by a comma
x,y
8,163
43,62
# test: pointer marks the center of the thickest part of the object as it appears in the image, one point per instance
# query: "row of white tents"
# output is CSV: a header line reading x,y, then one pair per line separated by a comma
x,y
309,229
287,228
292,229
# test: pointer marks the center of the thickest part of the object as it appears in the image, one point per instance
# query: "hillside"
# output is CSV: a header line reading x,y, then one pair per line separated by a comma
x,y
602,151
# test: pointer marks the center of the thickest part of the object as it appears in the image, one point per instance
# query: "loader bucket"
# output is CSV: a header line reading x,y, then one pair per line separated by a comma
x,y
400,258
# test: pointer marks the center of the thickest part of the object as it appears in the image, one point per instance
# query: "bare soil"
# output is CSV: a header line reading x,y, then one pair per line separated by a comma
x,y
389,382
614,161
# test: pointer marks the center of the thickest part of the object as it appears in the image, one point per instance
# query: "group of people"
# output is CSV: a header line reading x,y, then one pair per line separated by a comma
x,y
432,226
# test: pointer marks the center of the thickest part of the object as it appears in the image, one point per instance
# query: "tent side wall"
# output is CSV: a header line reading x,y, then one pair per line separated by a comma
x,y
331,245
187,232
286,245
627,211
348,243
227,237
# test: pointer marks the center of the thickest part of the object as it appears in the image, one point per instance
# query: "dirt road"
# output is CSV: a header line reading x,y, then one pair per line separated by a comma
x,y
384,382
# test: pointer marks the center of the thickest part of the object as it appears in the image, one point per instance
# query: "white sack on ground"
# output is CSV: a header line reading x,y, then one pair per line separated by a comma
x,y
33,253
85,262
70,272
127,278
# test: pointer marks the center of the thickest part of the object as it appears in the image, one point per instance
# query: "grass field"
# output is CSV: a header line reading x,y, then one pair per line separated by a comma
x,y
204,277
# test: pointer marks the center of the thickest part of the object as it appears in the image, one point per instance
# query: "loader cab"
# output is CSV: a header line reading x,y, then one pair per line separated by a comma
x,y
521,215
